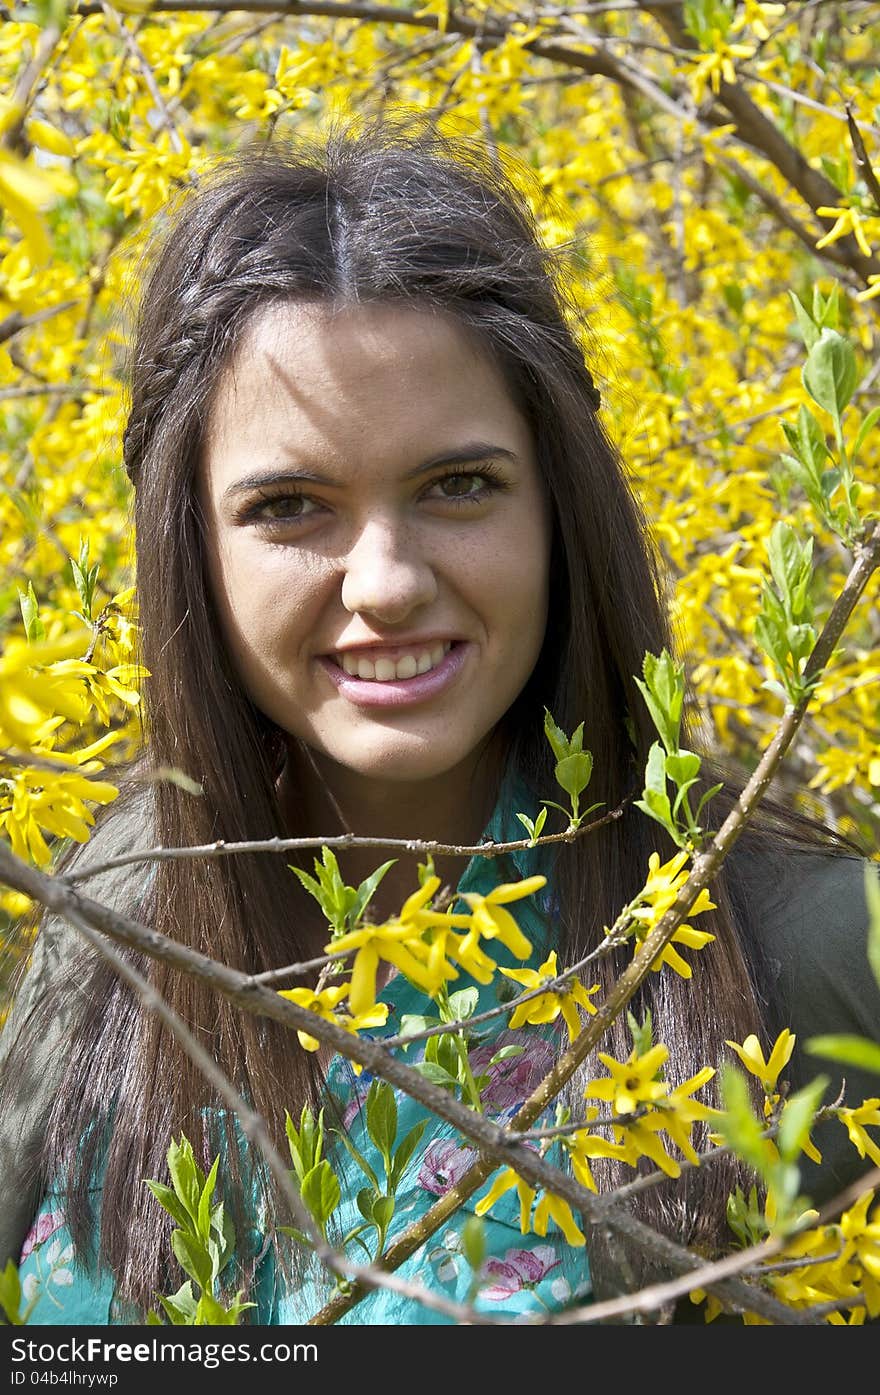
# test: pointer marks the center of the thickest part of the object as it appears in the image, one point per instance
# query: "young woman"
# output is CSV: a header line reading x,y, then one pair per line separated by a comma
x,y
380,528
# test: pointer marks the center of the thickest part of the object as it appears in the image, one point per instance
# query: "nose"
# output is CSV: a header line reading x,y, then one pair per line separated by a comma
x,y
387,574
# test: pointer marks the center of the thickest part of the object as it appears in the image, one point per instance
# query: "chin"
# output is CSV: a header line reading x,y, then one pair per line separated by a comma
x,y
403,767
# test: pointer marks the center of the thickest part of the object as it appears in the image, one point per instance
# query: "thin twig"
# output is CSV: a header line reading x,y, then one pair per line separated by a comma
x,y
342,841
14,323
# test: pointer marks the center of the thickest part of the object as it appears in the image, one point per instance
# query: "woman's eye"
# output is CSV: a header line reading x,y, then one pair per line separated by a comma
x,y
282,508
462,486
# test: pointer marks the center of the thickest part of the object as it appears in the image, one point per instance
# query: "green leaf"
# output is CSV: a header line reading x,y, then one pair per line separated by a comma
x,y
463,1004
436,1074
411,1023
533,829
642,1033
655,769
30,614
829,481
181,1306
770,637
298,1235
186,1176
404,1152
359,1158
826,309
738,1124
746,1217
168,1199
655,802
204,1214
809,444
365,892
867,425
860,1052
683,767
365,1198
830,373
506,1054
790,563
210,1313
707,796
320,1192
382,1117
306,1142
573,772
657,807
309,883
798,1115
192,1256
10,1294
442,1051
85,579
383,1211
663,691
809,330
473,1242
556,736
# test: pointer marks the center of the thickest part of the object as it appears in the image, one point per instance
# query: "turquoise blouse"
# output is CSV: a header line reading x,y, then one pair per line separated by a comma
x,y
525,1275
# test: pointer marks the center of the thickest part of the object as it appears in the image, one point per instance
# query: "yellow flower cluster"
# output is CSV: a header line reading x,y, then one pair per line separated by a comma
x,y
636,1087
841,1266
45,786
549,1208
547,1006
425,944
647,910
325,1004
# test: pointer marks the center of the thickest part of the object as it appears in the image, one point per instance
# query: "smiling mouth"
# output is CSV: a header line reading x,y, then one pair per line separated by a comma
x,y
386,670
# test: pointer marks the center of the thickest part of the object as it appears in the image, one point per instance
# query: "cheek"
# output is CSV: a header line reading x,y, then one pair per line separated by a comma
x,y
516,570
249,600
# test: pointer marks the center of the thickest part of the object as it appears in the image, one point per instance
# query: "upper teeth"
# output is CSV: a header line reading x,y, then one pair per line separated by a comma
x,y
385,670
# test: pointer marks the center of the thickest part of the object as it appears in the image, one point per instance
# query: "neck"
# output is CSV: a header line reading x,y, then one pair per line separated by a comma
x,y
319,797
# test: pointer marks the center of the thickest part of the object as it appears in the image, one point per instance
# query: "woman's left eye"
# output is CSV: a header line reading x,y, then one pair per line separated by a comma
x,y
464,486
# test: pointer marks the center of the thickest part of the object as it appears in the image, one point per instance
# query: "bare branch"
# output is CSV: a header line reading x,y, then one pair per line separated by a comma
x,y
342,841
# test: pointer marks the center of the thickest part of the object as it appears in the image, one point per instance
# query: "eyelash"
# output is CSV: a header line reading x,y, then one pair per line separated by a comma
x,y
494,482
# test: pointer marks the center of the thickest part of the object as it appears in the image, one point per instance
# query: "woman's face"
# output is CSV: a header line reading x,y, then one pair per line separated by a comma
x,y
378,535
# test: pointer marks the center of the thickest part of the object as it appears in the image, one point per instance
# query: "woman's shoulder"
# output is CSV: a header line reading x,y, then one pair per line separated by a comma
x,y
805,917
34,1042
122,827
805,909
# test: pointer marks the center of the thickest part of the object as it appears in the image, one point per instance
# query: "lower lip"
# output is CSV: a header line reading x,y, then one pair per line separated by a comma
x,y
398,692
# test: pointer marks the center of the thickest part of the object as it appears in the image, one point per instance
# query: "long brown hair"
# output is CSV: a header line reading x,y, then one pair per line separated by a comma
x,y
382,212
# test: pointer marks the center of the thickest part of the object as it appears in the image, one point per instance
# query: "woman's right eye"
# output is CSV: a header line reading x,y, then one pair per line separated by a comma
x,y
280,508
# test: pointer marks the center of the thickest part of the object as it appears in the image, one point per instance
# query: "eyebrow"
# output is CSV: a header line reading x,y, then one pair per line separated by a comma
x,y
472,453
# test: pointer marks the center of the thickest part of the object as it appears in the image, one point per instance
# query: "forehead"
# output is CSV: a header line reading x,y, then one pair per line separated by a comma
x,y
326,379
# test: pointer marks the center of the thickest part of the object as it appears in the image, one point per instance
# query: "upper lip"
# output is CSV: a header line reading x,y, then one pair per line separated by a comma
x,y
407,644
